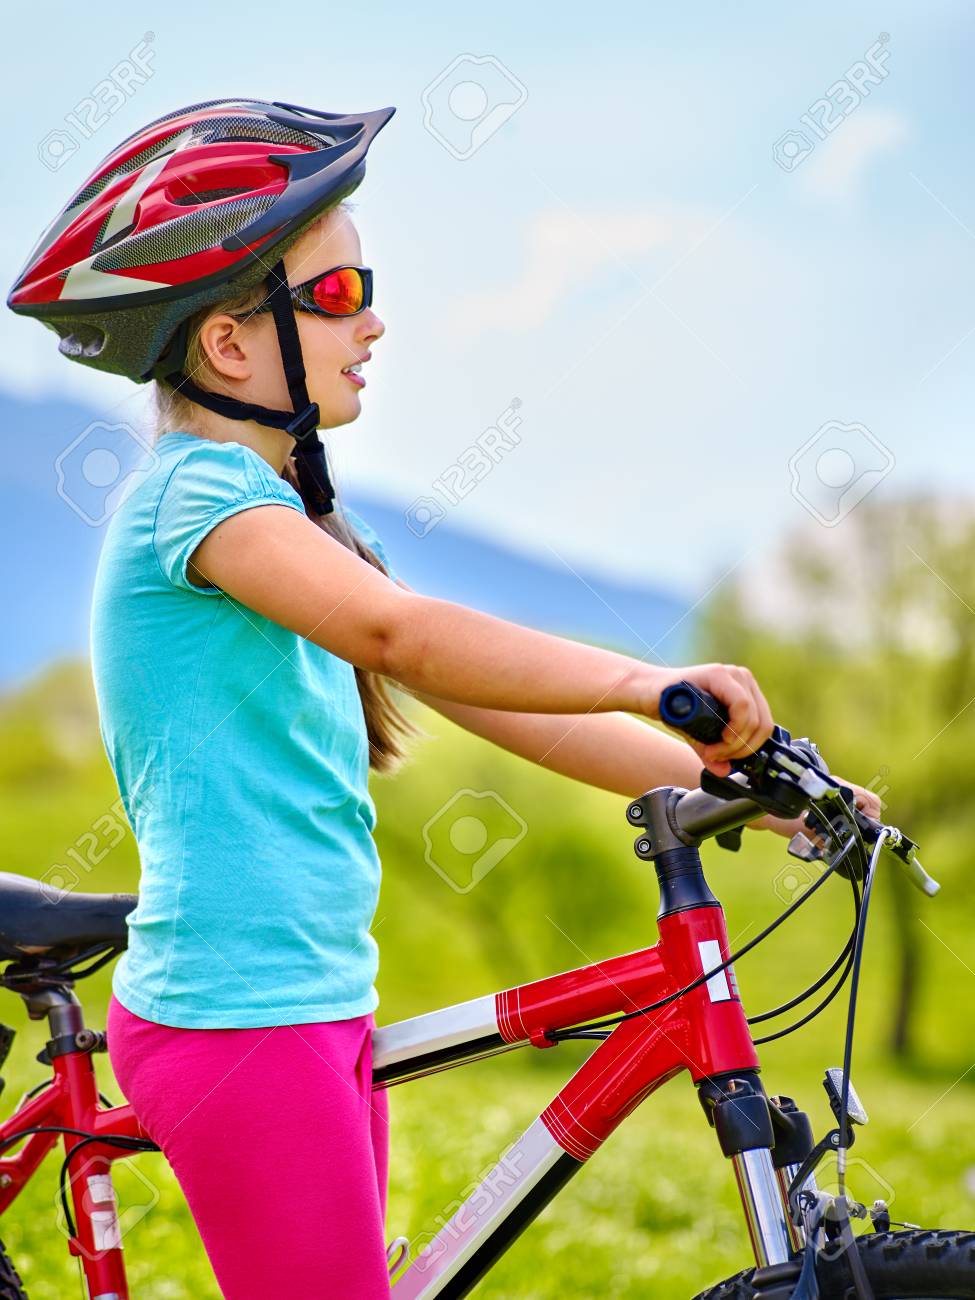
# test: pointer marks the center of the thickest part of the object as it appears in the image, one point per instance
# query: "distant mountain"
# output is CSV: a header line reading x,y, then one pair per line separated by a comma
x,y
50,539
458,565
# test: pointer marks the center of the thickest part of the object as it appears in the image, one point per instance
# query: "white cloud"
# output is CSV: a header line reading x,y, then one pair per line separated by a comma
x,y
564,250
837,168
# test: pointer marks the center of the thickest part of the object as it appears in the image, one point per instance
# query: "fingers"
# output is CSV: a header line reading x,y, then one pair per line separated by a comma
x,y
749,717
868,802
814,836
749,725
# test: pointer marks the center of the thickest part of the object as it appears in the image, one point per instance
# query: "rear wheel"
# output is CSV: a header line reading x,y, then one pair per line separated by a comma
x,y
911,1265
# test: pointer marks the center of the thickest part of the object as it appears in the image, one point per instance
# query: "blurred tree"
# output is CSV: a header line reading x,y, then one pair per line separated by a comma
x,y
863,636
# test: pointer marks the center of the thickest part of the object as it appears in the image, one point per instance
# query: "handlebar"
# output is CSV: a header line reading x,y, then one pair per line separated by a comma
x,y
697,713
783,776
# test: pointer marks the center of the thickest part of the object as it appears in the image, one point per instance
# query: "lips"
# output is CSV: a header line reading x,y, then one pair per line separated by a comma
x,y
353,372
357,365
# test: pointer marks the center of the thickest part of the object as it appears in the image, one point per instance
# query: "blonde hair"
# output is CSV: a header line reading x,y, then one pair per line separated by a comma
x,y
388,729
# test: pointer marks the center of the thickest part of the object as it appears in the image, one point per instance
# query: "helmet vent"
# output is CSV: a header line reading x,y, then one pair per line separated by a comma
x,y
207,196
130,165
83,341
201,229
257,130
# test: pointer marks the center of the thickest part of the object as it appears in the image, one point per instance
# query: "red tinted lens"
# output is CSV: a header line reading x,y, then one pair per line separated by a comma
x,y
339,292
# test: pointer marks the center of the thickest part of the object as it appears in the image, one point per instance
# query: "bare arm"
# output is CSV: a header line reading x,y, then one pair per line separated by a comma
x,y
275,561
612,751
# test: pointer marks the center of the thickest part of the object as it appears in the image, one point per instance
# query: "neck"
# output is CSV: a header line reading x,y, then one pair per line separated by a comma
x,y
273,444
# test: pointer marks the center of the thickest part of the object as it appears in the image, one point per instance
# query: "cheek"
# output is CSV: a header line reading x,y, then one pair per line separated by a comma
x,y
325,349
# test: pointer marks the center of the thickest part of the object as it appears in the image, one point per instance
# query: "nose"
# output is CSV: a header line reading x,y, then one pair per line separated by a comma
x,y
370,327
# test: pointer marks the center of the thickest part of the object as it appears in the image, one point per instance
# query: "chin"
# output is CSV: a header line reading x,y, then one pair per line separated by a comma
x,y
334,416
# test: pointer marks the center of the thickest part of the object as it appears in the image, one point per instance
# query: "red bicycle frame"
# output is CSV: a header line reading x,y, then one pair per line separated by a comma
x,y
703,1032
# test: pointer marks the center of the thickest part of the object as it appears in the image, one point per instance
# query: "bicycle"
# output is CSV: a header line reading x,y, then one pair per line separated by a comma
x,y
656,1013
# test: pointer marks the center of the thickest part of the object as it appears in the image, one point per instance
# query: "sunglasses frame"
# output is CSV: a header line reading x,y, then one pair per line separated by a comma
x,y
303,295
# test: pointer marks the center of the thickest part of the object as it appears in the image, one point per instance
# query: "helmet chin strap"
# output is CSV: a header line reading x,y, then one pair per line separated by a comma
x,y
301,422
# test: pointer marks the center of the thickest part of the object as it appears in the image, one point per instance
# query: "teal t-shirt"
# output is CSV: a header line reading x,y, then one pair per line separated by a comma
x,y
241,757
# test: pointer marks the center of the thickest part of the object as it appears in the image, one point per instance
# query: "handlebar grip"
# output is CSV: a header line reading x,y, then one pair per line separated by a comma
x,y
697,713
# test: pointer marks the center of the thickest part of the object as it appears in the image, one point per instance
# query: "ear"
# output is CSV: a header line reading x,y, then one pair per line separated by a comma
x,y
228,346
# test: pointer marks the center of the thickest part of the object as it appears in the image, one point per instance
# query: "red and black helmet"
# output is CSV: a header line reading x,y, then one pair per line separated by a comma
x,y
198,204
200,201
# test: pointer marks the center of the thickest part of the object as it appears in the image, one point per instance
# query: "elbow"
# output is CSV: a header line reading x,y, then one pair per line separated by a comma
x,y
383,658
393,640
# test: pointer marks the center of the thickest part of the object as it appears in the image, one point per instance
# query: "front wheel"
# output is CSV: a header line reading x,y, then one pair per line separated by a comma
x,y
911,1265
11,1287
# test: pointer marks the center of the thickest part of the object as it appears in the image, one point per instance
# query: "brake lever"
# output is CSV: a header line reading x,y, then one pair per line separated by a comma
x,y
899,845
905,851
803,848
769,777
781,776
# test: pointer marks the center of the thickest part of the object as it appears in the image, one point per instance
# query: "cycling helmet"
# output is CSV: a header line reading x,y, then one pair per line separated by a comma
x,y
201,203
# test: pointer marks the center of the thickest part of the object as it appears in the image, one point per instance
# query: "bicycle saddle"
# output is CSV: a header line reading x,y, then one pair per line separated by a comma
x,y
35,917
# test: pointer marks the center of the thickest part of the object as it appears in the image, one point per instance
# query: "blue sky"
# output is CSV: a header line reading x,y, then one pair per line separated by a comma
x,y
677,313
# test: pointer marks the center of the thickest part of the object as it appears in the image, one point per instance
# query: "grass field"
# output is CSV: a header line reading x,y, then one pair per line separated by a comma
x,y
655,1212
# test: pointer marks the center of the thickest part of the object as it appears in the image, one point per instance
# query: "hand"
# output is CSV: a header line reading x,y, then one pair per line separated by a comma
x,y
749,717
866,801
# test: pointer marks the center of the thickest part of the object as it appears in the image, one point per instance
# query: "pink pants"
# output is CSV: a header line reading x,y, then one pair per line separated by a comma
x,y
279,1145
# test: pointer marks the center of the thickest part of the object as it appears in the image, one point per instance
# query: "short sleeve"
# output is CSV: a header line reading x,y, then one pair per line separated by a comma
x,y
370,537
210,482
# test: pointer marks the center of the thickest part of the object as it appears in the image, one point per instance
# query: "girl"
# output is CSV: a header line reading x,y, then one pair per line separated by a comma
x,y
243,631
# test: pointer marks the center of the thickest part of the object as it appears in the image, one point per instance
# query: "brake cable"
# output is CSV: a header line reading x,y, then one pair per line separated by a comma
x,y
861,1283
845,956
810,1015
818,984
129,1144
813,988
108,1139
851,1013
557,1035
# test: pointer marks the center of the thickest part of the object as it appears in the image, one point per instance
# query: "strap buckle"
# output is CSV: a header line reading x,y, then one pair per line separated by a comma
x,y
304,423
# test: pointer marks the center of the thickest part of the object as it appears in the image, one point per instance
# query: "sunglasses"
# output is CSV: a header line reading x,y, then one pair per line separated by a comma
x,y
340,291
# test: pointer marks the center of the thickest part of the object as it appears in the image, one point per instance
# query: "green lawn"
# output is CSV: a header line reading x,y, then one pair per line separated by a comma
x,y
655,1212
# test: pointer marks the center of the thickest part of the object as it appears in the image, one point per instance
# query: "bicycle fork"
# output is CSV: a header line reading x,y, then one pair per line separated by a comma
x,y
762,1137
